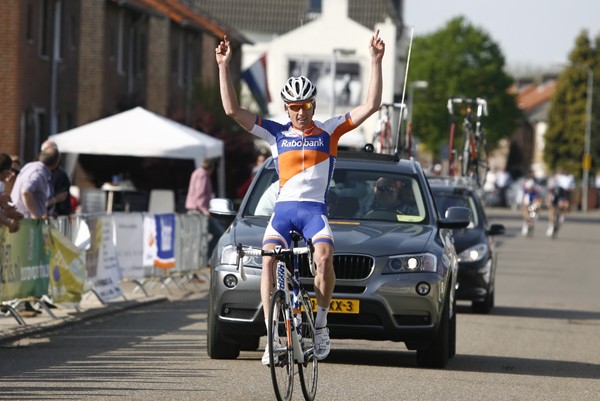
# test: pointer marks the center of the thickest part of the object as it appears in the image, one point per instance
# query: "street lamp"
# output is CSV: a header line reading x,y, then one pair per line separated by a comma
x,y
334,53
587,157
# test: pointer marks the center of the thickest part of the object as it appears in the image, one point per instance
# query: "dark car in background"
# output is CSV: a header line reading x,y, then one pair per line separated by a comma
x,y
396,269
475,244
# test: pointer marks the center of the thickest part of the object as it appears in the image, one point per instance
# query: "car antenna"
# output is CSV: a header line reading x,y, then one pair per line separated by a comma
x,y
402,104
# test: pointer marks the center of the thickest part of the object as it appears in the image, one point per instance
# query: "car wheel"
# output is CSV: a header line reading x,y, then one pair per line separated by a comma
x,y
218,348
452,332
484,307
437,353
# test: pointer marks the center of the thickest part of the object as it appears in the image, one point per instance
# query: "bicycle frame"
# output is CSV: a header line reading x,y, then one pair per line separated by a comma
x,y
473,137
383,135
284,276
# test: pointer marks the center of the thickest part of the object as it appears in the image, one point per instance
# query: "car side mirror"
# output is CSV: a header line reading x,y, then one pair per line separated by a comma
x,y
456,217
221,207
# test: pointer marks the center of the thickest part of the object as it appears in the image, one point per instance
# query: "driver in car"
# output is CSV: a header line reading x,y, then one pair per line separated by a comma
x,y
387,204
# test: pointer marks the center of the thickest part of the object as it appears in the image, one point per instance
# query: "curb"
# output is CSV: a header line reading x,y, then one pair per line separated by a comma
x,y
20,332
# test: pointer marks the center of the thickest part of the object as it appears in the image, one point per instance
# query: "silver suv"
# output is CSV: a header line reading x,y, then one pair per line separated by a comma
x,y
394,260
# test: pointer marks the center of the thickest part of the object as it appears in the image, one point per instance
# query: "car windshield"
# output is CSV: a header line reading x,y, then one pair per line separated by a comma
x,y
353,194
445,200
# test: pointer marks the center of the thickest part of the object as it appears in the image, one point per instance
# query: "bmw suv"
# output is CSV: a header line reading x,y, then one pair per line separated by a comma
x,y
395,262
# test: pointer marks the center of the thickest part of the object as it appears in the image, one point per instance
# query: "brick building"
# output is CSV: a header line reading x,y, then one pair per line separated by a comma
x,y
64,63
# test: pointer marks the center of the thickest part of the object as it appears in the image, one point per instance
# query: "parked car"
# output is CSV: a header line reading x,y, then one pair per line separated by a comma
x,y
475,245
399,270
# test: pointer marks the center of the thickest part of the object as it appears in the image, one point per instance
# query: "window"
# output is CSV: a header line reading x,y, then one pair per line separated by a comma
x,y
121,43
45,27
315,6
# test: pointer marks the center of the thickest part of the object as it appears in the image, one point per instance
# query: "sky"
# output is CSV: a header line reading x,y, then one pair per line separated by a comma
x,y
531,33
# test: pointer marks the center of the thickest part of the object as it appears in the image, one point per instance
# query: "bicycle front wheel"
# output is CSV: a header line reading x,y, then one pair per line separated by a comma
x,y
309,370
280,349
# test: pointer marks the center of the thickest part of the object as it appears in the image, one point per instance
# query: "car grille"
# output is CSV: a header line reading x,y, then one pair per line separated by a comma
x,y
347,267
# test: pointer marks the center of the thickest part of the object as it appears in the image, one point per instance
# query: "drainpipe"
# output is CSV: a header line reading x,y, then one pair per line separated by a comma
x,y
54,66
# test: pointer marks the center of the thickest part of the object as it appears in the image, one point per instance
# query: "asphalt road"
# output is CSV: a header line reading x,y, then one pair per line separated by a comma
x,y
539,343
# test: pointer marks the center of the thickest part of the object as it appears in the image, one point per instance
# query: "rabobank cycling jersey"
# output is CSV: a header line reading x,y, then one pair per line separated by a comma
x,y
304,159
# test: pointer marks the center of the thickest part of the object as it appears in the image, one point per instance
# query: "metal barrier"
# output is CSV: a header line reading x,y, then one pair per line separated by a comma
x,y
51,260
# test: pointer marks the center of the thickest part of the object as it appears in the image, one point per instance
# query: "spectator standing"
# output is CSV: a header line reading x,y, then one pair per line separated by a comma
x,y
260,159
7,183
9,216
503,181
198,197
32,191
60,184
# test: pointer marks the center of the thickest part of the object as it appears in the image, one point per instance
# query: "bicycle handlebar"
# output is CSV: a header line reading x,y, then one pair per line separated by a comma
x,y
278,251
480,102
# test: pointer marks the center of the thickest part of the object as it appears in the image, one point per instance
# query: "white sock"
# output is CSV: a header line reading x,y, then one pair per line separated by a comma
x,y
321,319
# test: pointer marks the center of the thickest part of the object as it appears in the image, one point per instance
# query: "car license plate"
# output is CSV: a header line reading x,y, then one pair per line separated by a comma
x,y
340,305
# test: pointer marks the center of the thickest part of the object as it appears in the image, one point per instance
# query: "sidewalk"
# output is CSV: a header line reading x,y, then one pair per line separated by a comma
x,y
91,307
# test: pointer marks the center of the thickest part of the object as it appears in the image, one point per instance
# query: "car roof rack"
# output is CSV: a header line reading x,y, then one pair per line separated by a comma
x,y
361,155
450,180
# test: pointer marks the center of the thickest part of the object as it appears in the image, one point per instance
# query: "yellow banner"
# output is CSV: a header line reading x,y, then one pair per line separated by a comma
x,y
68,273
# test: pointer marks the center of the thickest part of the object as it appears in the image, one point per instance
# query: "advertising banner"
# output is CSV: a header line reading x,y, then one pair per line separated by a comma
x,y
165,240
67,269
107,279
129,228
24,261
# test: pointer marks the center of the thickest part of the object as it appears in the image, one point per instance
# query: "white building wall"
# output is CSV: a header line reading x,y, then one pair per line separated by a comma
x,y
314,43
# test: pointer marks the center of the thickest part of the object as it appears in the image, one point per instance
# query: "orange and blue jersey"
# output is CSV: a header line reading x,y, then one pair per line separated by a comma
x,y
304,159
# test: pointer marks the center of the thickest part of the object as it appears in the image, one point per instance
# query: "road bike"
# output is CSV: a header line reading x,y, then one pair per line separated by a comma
x,y
383,139
291,335
473,157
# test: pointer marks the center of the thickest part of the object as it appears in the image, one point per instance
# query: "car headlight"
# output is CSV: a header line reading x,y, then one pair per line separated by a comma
x,y
474,253
229,257
424,262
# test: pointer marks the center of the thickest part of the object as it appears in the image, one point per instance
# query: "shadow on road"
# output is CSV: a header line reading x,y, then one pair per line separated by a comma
x,y
517,311
469,363
545,313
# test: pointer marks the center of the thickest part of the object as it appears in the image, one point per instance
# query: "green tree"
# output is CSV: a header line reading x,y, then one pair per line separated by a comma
x,y
564,139
460,60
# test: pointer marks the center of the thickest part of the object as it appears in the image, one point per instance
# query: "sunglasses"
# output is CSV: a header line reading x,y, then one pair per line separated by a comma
x,y
14,170
296,107
385,188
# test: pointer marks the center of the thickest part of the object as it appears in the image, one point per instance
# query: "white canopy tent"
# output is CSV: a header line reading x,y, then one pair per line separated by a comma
x,y
139,132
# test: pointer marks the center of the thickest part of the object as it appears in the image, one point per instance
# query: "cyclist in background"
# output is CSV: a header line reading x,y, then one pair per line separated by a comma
x,y
531,198
559,193
305,151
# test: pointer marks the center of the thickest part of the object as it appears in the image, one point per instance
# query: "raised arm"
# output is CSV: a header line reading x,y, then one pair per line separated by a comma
x,y
360,113
230,103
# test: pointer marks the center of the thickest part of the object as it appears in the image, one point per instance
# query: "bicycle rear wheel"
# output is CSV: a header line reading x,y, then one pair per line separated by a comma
x,y
280,349
556,224
466,161
309,370
482,166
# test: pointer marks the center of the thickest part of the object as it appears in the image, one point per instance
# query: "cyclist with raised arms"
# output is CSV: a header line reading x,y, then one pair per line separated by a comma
x,y
304,151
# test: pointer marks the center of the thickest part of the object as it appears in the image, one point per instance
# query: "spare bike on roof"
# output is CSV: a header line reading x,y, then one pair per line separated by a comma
x,y
473,154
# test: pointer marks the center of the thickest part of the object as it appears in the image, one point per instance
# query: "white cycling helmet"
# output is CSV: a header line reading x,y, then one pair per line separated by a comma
x,y
298,89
